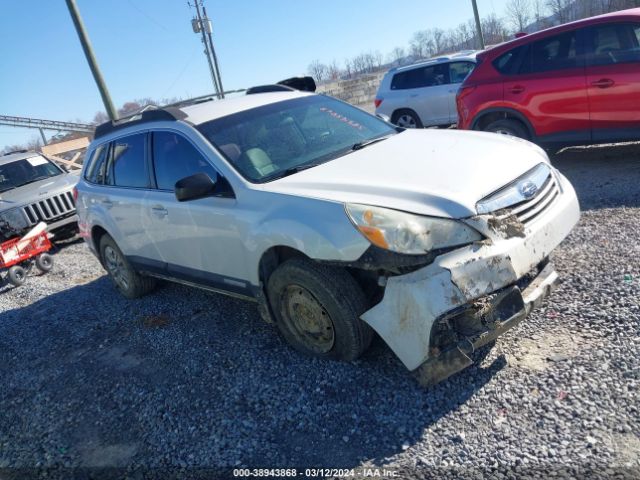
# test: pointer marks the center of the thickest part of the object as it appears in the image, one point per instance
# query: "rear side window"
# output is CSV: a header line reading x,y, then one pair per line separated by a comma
x,y
554,53
97,165
421,77
175,158
509,63
458,71
613,43
128,164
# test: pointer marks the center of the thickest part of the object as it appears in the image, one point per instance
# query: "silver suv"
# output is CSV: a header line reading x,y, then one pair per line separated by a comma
x,y
33,190
424,94
335,222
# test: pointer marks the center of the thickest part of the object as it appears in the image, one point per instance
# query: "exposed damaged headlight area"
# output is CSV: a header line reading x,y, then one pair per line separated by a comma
x,y
408,233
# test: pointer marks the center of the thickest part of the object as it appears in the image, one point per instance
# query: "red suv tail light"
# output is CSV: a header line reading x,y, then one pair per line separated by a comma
x,y
463,109
378,101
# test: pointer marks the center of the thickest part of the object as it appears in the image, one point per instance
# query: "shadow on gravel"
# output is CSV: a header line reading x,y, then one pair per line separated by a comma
x,y
604,176
211,385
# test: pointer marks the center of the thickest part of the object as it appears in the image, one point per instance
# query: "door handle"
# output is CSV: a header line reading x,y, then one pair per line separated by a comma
x,y
106,202
159,210
603,83
517,89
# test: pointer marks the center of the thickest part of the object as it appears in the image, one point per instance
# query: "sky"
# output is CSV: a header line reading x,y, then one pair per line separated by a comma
x,y
146,48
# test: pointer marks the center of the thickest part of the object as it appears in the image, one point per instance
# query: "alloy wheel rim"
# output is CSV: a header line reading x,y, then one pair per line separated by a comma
x,y
406,121
116,268
309,320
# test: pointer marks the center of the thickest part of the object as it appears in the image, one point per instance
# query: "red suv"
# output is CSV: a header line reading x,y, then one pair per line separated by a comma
x,y
577,83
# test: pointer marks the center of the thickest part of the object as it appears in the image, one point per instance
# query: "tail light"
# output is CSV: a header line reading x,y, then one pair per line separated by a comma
x,y
75,194
378,101
463,109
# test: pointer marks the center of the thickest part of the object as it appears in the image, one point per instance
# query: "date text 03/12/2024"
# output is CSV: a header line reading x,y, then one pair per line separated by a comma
x,y
314,472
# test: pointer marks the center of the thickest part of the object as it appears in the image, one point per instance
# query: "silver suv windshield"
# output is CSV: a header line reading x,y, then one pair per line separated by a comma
x,y
280,139
28,170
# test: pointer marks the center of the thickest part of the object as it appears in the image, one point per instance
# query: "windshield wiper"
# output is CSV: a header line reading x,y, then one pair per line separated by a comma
x,y
366,143
37,179
292,170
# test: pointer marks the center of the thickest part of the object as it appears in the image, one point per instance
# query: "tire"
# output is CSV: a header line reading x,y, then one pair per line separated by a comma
x,y
17,275
44,262
330,302
406,118
126,280
506,126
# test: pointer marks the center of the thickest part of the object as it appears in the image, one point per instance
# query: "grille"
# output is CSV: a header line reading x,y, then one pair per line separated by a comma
x,y
50,209
528,210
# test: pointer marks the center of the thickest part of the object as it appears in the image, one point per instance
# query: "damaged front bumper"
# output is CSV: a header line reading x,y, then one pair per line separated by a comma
x,y
434,317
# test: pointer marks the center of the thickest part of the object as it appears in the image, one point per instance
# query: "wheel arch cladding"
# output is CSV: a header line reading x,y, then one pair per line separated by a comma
x,y
484,118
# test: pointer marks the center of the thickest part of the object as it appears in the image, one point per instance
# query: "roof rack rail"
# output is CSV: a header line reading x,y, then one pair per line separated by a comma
x,y
269,88
170,113
14,151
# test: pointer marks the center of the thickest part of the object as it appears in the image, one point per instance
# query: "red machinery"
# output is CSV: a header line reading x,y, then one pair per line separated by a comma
x,y
18,255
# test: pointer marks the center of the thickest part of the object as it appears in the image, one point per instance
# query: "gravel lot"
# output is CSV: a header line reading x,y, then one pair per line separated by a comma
x,y
185,383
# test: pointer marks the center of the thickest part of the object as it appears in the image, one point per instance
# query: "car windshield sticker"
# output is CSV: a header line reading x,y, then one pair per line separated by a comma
x,y
35,161
342,118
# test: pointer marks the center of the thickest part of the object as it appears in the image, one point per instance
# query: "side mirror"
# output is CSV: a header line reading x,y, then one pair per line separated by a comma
x,y
384,117
195,186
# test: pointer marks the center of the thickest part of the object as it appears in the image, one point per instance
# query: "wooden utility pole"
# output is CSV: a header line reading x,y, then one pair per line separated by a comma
x,y
91,59
478,24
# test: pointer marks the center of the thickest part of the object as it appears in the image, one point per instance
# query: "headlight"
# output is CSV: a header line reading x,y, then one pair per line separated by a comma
x,y
407,233
14,218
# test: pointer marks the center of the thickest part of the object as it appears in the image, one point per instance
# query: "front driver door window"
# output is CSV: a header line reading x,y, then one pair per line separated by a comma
x,y
195,240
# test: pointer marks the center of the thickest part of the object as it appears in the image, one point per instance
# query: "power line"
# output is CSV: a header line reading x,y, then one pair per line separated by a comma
x,y
202,25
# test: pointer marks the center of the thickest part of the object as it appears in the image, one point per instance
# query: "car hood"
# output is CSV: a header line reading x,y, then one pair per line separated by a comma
x,y
33,192
442,173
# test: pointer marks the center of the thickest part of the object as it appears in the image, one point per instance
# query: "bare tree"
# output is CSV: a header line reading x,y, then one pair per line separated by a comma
x,y
422,44
318,71
494,30
561,10
519,14
438,36
333,71
397,55
539,14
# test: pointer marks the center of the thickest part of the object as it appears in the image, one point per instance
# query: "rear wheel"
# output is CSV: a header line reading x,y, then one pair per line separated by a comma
x,y
44,262
318,308
406,119
17,275
126,280
509,127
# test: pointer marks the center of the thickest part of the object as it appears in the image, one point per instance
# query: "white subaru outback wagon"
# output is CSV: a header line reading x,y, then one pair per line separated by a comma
x,y
335,222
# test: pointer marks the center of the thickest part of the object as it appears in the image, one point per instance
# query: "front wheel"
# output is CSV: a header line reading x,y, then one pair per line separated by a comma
x,y
318,308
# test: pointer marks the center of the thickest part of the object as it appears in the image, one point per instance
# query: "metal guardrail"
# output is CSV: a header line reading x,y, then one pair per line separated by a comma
x,y
46,124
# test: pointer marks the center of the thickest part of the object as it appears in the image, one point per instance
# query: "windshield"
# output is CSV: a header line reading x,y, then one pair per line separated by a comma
x,y
280,139
28,170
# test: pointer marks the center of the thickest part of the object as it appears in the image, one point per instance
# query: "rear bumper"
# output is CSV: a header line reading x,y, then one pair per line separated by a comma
x,y
459,280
